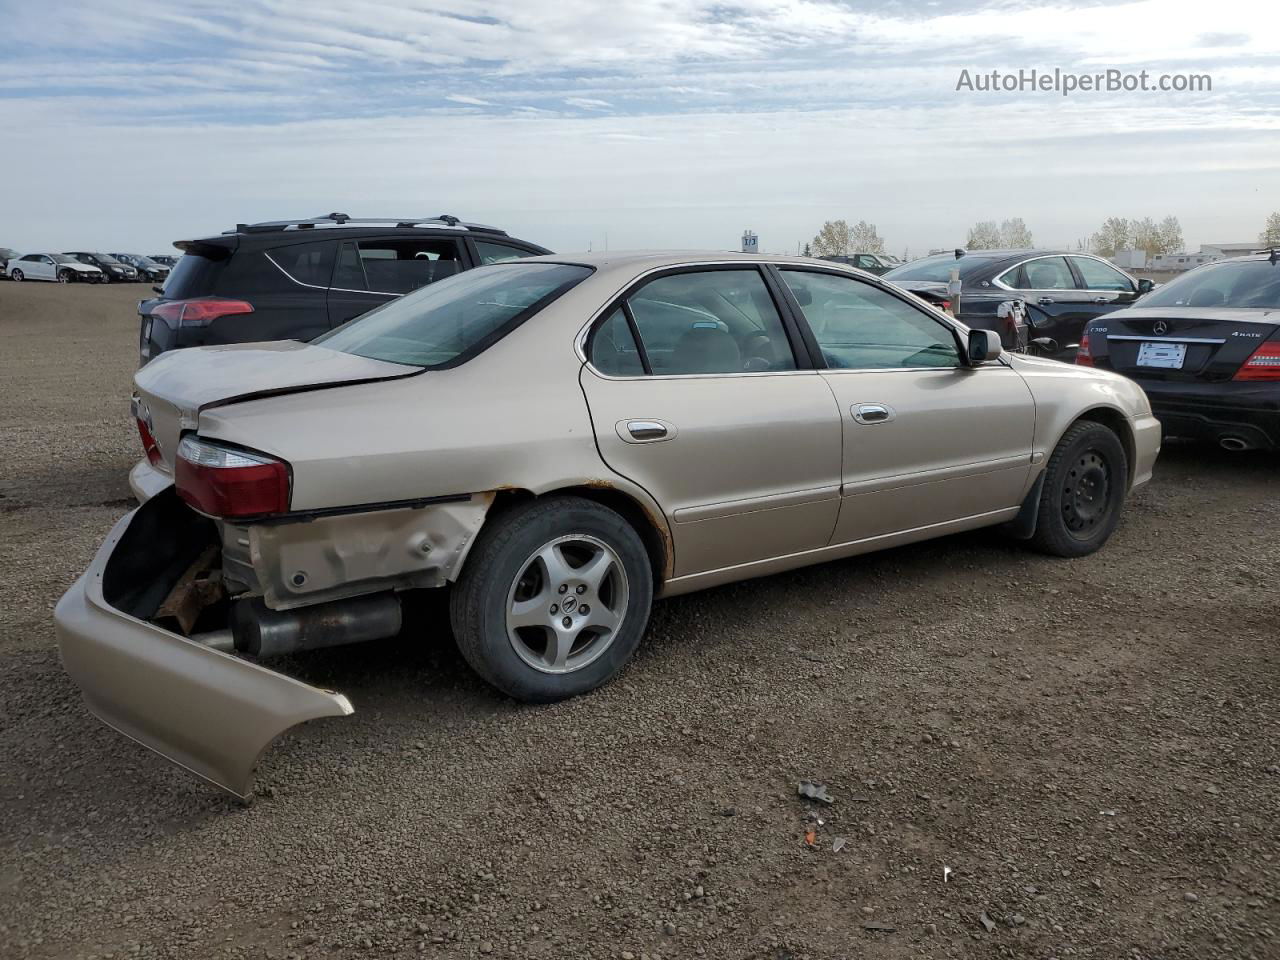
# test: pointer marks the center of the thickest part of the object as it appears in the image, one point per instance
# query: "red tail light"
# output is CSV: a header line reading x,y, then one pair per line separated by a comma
x,y
149,445
1263,365
1083,357
199,312
223,481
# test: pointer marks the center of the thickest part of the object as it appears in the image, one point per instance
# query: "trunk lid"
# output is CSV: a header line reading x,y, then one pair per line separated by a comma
x,y
1180,343
173,389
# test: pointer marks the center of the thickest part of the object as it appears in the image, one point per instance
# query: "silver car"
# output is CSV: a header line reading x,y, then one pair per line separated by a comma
x,y
558,441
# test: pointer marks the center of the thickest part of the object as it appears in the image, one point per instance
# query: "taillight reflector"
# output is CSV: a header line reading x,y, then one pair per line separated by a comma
x,y
1083,357
149,445
200,312
223,481
1263,365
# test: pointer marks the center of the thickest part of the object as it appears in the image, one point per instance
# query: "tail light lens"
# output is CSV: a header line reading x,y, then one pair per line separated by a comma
x,y
223,481
1263,365
149,445
199,312
1083,357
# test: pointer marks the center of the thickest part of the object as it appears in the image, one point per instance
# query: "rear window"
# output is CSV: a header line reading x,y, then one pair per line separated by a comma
x,y
193,276
1246,283
937,269
451,321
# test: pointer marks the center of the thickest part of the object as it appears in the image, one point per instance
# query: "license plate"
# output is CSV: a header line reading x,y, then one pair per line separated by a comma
x,y
1167,355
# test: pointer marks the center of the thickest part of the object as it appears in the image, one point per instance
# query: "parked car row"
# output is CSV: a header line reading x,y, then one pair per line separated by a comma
x,y
81,266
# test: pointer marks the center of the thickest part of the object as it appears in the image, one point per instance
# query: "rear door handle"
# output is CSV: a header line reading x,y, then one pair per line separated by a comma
x,y
1045,301
872,412
645,431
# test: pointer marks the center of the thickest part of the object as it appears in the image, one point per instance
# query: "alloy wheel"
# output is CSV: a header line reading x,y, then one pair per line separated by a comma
x,y
566,605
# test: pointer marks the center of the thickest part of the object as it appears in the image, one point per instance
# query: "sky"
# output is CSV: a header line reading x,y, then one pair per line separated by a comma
x,y
128,124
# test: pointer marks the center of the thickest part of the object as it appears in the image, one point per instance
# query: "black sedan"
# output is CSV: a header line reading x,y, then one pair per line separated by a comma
x,y
1206,349
1060,291
148,270
112,269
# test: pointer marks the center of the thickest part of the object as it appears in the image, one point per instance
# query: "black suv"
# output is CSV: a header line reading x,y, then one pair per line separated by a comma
x,y
296,279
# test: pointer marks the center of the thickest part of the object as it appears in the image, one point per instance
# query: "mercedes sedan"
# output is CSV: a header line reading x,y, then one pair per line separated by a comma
x,y
1206,349
557,441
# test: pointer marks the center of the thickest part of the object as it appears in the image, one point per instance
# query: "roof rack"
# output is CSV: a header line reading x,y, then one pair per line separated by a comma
x,y
342,220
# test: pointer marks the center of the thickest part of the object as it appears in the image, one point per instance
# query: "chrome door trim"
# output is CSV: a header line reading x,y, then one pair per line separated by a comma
x,y
957,471
732,508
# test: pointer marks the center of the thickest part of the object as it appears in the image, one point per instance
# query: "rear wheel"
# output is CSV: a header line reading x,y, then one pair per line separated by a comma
x,y
17,275
1084,489
554,599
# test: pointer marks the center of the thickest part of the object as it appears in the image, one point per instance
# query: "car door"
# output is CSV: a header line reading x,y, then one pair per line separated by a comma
x,y
45,269
926,439
1106,287
372,270
700,393
1057,307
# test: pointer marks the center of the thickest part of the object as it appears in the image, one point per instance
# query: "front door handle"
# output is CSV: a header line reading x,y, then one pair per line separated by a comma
x,y
1045,301
872,412
644,430
1101,299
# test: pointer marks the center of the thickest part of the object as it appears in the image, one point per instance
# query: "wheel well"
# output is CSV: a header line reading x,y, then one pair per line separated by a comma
x,y
1118,424
652,532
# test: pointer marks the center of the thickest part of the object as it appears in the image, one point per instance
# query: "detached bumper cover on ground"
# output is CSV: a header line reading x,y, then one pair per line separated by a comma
x,y
207,711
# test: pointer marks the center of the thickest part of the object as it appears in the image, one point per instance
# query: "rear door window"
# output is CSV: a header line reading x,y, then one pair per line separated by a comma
x,y
1044,273
715,321
396,265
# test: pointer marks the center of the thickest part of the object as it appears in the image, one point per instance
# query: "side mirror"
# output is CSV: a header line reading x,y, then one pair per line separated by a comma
x,y
983,345
1145,286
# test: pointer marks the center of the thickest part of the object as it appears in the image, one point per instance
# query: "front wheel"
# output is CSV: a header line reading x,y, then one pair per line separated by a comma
x,y
1083,493
64,276
554,599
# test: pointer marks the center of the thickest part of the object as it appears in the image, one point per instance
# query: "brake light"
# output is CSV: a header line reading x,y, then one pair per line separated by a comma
x,y
223,481
199,312
1263,365
149,445
1083,357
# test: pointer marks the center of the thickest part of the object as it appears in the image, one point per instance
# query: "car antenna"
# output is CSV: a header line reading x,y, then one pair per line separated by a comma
x,y
959,253
1275,255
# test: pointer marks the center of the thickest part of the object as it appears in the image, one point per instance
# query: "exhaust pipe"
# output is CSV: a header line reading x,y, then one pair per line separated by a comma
x,y
264,632
1234,444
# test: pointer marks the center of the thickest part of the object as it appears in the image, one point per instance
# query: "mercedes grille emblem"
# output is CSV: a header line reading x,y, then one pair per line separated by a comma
x,y
1159,328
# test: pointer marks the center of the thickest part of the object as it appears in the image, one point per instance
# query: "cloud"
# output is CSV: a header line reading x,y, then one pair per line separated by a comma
x,y
587,103
664,119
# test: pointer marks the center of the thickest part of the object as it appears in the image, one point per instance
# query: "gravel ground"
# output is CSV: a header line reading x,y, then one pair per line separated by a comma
x,y
1090,746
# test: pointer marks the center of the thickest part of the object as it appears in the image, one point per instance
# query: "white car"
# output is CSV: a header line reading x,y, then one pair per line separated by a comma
x,y
54,266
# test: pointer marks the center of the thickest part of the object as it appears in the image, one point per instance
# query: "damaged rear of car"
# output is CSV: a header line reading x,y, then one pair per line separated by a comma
x,y
269,525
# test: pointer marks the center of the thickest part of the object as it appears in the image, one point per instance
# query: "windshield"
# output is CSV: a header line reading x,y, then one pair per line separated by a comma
x,y
454,319
938,269
63,258
1240,283
105,258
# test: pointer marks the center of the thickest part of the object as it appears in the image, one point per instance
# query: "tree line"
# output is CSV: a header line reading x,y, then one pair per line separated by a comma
x,y
1117,234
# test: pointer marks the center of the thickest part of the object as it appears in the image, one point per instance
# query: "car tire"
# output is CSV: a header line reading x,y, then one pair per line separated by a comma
x,y
1083,493
64,276
16,276
517,608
